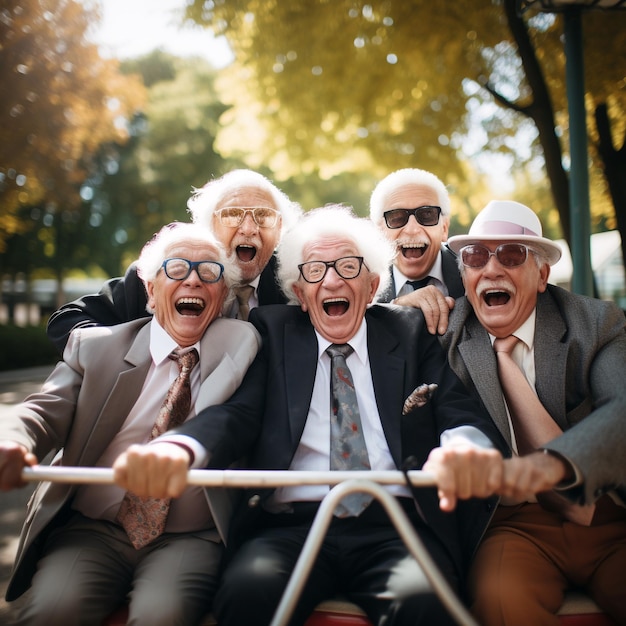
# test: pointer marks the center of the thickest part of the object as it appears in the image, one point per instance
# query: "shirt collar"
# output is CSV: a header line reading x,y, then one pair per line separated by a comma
x,y
161,344
526,332
358,343
436,271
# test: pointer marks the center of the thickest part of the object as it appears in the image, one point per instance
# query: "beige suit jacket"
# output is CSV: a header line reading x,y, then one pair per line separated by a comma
x,y
85,401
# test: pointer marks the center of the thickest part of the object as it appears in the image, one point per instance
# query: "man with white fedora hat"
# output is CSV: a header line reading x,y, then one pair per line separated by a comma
x,y
549,367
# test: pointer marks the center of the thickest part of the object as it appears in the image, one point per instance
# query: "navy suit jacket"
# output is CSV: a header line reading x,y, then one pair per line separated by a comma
x,y
265,417
124,299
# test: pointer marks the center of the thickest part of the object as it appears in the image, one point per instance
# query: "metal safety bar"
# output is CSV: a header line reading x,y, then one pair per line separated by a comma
x,y
231,478
343,482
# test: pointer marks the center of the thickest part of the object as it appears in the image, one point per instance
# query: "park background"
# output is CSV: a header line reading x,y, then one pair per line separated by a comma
x,y
112,112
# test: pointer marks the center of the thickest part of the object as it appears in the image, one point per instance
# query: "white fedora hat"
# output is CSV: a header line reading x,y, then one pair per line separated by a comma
x,y
505,220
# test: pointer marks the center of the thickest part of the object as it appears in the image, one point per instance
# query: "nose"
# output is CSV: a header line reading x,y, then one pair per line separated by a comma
x,y
332,279
193,278
248,226
493,266
412,226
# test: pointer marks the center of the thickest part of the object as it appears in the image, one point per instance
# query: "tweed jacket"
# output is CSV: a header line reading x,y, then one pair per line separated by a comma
x,y
580,362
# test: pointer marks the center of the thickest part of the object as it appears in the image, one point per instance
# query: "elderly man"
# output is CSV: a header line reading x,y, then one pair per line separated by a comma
x,y
412,209
83,550
285,416
560,404
246,212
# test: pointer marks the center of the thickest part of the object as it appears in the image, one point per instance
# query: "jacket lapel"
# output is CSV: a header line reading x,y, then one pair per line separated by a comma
x,y
479,361
300,370
550,358
388,379
389,292
122,398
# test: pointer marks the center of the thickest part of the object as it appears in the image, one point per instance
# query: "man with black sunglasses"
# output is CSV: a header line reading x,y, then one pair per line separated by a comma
x,y
412,209
549,367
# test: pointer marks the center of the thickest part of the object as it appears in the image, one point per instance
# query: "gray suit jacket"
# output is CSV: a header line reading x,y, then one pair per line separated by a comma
x,y
580,361
85,401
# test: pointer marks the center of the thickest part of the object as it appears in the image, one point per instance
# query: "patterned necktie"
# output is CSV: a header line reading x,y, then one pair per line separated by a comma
x,y
243,294
347,443
532,424
144,518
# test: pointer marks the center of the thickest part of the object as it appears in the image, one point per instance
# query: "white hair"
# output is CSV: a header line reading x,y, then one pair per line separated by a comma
x,y
402,178
337,221
205,200
157,249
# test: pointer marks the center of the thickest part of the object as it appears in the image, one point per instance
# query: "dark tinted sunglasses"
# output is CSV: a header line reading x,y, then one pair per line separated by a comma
x,y
508,255
425,215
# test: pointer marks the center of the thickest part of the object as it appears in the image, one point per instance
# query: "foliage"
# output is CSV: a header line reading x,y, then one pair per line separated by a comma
x,y
59,102
25,347
379,84
146,182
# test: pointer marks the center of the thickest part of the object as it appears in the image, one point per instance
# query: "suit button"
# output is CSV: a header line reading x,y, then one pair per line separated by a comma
x,y
254,501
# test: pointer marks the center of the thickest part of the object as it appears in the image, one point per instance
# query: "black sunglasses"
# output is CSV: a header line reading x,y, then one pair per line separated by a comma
x,y
425,215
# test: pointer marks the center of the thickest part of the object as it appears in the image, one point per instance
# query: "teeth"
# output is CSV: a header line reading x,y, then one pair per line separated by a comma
x,y
196,301
413,245
333,300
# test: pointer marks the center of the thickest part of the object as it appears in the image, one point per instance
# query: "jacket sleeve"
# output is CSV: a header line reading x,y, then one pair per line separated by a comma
x,y
120,300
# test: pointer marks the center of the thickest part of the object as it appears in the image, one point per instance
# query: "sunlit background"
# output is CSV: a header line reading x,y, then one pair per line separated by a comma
x,y
114,111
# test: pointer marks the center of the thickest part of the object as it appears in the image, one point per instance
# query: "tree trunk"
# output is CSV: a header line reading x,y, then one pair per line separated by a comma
x,y
542,113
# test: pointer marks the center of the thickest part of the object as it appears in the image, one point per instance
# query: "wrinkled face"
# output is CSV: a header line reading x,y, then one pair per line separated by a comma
x,y
504,297
185,308
417,246
252,245
336,305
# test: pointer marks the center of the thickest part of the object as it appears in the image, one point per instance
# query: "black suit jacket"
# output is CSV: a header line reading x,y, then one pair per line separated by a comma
x,y
451,277
124,299
265,417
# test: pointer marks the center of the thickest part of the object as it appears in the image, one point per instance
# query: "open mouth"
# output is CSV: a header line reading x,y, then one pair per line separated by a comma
x,y
245,253
413,251
190,306
336,306
496,297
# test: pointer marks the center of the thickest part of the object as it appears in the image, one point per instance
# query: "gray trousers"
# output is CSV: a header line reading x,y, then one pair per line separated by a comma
x,y
89,568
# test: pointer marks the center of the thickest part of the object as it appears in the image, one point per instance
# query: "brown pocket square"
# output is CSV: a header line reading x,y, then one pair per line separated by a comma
x,y
419,397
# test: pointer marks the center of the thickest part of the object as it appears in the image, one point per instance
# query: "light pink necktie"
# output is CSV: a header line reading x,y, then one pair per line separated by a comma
x,y
532,424
144,518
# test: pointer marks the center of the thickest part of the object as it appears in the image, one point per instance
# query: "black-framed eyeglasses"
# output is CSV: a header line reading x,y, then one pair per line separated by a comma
x,y
347,267
179,269
233,216
508,255
425,215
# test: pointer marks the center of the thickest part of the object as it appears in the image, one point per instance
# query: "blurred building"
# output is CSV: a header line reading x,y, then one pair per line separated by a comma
x,y
607,265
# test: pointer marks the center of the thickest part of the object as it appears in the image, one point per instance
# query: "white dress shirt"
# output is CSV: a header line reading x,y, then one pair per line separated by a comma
x,y
435,274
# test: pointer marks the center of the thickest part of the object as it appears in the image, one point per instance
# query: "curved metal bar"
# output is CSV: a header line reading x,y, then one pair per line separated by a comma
x,y
232,478
345,482
406,531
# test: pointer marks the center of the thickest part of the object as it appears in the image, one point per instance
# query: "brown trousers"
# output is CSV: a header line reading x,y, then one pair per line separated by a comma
x,y
529,557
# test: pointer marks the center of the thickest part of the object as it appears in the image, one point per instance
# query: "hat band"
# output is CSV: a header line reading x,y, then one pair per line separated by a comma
x,y
506,228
